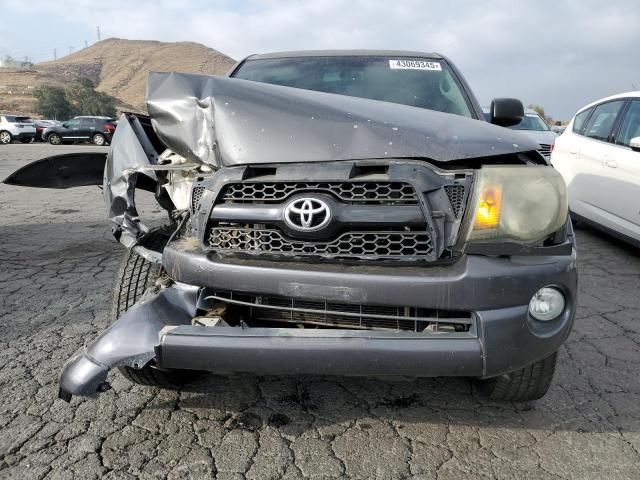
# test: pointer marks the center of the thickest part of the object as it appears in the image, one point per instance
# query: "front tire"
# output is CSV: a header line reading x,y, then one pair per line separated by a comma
x,y
529,383
134,277
55,139
98,139
5,137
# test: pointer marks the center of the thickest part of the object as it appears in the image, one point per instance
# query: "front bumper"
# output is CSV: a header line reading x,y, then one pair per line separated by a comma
x,y
496,290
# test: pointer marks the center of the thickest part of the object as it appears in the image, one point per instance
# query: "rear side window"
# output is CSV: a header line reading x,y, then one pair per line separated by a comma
x,y
630,125
601,122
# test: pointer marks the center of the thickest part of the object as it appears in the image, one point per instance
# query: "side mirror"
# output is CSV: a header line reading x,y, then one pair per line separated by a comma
x,y
635,144
506,111
65,125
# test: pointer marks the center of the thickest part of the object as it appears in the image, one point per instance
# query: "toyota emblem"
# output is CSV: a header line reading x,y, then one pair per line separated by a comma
x,y
307,214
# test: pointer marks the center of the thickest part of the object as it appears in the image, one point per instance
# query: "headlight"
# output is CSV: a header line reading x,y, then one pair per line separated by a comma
x,y
517,203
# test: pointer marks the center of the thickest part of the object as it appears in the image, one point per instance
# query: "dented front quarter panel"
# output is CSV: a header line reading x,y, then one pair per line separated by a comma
x,y
127,159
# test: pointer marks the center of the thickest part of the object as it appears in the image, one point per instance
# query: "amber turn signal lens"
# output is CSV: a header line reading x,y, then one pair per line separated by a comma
x,y
488,211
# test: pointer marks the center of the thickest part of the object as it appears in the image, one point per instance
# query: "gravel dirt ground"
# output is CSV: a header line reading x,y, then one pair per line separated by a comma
x,y
57,259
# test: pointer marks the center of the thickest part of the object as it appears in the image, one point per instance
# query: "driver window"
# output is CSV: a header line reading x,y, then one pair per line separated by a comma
x,y
73,123
630,125
601,122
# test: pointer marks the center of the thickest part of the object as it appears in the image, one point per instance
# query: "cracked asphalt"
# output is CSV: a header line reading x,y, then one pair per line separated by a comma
x,y
57,259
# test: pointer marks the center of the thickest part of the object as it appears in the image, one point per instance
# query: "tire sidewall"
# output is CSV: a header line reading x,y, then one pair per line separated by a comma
x,y
155,239
96,138
4,133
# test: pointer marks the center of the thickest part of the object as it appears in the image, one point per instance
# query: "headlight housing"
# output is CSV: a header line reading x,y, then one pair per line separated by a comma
x,y
521,204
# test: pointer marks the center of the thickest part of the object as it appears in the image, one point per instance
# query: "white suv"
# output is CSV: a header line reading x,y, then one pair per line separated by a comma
x,y
599,157
13,127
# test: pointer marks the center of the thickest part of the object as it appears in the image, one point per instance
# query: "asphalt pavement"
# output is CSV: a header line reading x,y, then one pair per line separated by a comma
x,y
57,260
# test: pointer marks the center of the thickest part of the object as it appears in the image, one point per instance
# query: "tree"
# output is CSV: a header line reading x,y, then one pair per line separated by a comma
x,y
539,110
79,98
84,100
51,102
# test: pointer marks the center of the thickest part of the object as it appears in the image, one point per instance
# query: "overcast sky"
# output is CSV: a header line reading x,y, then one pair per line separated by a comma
x,y
558,54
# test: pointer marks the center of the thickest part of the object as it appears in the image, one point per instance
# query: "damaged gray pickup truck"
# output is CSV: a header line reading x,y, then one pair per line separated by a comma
x,y
331,212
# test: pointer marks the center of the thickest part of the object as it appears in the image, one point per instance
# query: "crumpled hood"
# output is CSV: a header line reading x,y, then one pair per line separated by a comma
x,y
226,121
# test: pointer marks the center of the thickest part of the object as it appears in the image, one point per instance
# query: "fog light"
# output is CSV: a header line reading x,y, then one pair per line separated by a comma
x,y
546,304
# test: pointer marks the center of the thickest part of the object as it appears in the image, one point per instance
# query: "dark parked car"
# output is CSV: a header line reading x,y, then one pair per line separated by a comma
x,y
41,126
97,130
375,226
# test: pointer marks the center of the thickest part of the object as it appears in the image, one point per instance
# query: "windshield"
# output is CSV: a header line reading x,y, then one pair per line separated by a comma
x,y
423,83
531,121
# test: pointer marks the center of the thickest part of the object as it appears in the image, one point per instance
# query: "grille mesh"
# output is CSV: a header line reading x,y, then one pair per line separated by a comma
x,y
345,315
393,320
349,244
371,192
196,196
456,197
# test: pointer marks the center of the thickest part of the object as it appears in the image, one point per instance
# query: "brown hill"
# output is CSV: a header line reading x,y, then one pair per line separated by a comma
x,y
118,67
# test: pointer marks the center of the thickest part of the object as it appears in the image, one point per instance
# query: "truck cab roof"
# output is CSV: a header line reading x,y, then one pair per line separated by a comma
x,y
345,53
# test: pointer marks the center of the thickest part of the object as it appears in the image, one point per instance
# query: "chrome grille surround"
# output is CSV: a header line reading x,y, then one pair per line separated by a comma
x,y
353,244
367,192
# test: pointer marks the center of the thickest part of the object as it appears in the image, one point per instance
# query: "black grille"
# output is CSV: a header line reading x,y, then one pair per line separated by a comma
x,y
545,150
350,316
368,192
456,197
196,196
350,244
